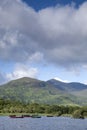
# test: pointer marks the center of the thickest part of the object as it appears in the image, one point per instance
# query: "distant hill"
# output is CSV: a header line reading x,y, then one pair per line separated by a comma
x,y
49,92
69,87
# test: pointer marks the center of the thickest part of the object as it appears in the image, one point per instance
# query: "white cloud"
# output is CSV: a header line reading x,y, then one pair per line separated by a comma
x,y
36,57
20,71
59,79
57,35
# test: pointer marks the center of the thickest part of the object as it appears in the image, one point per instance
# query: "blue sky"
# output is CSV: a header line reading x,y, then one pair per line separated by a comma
x,y
40,4
43,39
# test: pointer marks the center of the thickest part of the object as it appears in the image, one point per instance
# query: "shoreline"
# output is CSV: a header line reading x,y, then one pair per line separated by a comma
x,y
38,114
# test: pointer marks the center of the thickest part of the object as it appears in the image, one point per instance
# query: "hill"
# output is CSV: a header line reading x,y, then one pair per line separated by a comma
x,y
68,87
49,92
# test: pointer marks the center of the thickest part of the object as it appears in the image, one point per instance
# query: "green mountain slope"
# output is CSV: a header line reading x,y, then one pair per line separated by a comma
x,y
33,90
81,94
68,87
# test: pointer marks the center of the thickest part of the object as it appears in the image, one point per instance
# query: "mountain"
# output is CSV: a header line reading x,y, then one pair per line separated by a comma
x,y
49,92
68,87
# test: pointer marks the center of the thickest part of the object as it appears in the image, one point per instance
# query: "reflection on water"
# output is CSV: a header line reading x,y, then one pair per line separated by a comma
x,y
44,123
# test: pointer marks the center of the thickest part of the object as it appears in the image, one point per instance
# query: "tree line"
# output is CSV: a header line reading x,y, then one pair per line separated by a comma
x,y
7,106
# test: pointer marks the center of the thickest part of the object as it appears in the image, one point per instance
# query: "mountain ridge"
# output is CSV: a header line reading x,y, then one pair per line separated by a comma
x,y
71,85
50,92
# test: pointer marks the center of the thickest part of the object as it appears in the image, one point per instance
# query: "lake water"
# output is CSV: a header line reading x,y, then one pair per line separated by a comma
x,y
44,123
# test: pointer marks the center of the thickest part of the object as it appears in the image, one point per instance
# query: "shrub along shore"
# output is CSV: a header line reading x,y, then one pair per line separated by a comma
x,y
8,107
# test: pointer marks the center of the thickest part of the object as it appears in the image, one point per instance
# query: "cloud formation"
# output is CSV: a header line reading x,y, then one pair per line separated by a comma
x,y
56,34
61,80
20,71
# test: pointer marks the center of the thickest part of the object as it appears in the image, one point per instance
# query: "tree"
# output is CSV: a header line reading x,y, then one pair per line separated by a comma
x,y
78,114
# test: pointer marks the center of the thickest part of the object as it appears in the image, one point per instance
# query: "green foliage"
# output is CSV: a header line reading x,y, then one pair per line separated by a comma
x,y
7,106
27,90
80,113
77,114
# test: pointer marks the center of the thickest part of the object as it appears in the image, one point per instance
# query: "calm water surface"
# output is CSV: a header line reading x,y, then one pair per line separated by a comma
x,y
44,123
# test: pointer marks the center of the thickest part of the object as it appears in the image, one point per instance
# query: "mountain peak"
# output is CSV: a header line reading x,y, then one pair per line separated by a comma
x,y
25,79
61,80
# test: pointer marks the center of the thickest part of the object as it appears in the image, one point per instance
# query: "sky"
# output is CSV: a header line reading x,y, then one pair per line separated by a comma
x,y
43,39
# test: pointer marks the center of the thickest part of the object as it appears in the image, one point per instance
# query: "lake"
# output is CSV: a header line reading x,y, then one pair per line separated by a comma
x,y
44,123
